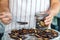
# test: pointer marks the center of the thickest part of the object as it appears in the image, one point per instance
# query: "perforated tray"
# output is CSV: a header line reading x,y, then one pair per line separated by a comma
x,y
7,37
57,38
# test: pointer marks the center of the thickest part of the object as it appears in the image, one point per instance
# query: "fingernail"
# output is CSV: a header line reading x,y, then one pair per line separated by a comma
x,y
45,21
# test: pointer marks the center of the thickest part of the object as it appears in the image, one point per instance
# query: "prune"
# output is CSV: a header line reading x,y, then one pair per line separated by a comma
x,y
42,23
54,33
50,36
24,31
13,36
18,39
14,31
31,30
35,31
40,38
48,31
46,38
20,31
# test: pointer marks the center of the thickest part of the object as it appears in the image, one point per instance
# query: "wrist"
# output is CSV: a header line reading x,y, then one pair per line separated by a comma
x,y
4,10
52,12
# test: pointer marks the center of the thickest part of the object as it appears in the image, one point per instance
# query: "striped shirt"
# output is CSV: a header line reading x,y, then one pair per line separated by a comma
x,y
24,11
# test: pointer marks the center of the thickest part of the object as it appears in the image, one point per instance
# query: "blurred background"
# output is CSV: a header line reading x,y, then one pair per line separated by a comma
x,y
56,22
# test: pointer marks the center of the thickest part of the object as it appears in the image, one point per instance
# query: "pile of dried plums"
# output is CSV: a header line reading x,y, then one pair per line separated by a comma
x,y
46,34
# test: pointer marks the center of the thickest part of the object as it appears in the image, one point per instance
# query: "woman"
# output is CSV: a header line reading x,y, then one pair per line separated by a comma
x,y
24,11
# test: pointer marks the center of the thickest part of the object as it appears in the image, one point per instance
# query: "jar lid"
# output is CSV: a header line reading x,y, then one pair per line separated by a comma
x,y
41,15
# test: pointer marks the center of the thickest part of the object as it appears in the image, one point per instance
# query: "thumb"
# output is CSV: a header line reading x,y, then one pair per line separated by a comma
x,y
2,16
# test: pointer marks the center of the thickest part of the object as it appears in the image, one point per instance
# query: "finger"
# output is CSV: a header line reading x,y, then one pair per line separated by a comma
x,y
46,20
5,19
5,22
5,16
47,23
48,17
10,16
2,16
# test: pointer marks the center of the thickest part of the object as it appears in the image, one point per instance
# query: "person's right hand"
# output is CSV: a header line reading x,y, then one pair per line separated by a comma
x,y
5,17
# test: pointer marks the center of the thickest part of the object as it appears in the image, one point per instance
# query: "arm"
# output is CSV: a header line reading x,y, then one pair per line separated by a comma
x,y
5,15
53,11
4,5
55,6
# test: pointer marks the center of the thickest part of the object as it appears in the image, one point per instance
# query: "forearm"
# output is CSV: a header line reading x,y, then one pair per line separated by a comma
x,y
55,6
4,5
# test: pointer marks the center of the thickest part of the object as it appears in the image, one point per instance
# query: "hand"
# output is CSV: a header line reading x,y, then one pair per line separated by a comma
x,y
48,19
5,17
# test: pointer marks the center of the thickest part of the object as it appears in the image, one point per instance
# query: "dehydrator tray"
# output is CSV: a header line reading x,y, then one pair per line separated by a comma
x,y
7,37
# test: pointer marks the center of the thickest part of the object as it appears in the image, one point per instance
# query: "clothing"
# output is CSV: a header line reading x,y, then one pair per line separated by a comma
x,y
24,11
56,22
2,29
1,35
58,14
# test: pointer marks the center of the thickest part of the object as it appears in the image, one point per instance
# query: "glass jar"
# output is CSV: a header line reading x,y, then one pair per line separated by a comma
x,y
40,17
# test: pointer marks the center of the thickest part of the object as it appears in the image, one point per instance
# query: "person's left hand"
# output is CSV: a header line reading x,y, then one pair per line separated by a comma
x,y
48,19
